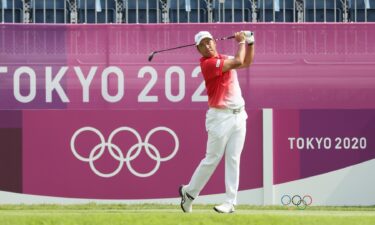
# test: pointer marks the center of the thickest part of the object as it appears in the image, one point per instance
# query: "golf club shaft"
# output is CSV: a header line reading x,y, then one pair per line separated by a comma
x,y
183,46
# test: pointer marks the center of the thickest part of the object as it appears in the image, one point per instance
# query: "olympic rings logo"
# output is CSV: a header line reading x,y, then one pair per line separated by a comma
x,y
297,200
115,151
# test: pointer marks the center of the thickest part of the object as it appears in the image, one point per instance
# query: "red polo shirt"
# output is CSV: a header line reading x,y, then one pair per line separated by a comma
x,y
223,89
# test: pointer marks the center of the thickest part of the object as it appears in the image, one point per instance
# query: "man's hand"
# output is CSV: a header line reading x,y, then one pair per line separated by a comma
x,y
249,37
240,37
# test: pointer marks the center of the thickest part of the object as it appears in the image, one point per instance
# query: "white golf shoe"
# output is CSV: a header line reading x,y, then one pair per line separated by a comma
x,y
186,200
224,208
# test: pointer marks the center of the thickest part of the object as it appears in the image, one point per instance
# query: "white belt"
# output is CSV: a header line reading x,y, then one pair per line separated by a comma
x,y
233,111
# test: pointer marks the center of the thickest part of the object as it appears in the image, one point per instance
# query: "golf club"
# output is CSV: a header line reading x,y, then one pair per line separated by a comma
x,y
182,46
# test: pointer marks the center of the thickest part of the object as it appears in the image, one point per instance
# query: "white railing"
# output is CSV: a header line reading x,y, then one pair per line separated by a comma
x,y
185,11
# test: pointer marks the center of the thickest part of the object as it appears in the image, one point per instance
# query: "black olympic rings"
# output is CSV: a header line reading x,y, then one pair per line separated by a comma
x,y
297,200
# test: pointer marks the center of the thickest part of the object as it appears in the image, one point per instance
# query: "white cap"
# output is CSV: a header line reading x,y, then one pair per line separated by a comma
x,y
202,35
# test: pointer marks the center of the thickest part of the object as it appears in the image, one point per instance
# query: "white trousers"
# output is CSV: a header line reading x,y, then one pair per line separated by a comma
x,y
226,134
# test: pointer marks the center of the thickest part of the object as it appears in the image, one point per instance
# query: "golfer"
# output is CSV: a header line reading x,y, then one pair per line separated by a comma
x,y
225,118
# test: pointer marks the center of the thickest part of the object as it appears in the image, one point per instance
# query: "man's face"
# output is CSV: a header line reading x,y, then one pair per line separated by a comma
x,y
207,47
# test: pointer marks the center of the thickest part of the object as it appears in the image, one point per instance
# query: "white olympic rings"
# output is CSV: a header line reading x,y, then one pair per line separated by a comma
x,y
117,154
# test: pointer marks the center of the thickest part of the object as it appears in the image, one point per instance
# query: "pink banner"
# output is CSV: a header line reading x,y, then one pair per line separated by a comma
x,y
118,154
105,66
314,142
95,119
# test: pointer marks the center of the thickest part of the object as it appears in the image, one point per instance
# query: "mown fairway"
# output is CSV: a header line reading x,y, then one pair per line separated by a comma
x,y
150,214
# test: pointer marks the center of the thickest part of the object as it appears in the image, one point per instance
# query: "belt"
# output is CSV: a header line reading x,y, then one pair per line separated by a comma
x,y
234,111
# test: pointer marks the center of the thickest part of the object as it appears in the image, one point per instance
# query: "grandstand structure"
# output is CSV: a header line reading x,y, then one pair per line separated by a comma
x,y
185,11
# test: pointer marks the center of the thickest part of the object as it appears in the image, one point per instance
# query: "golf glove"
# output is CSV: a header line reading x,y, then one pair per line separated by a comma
x,y
249,37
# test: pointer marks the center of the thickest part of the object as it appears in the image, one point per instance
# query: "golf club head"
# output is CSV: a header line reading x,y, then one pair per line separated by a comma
x,y
151,56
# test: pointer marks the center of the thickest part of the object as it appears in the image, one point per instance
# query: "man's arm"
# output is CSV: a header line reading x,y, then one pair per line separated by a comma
x,y
239,58
249,57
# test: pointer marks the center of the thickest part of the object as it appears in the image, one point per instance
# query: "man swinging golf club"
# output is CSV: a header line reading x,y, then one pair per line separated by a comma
x,y
225,118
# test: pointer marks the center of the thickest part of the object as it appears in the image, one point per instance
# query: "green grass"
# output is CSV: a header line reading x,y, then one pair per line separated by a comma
x,y
152,214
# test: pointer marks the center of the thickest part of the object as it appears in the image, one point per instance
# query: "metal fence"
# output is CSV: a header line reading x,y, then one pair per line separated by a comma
x,y
185,11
